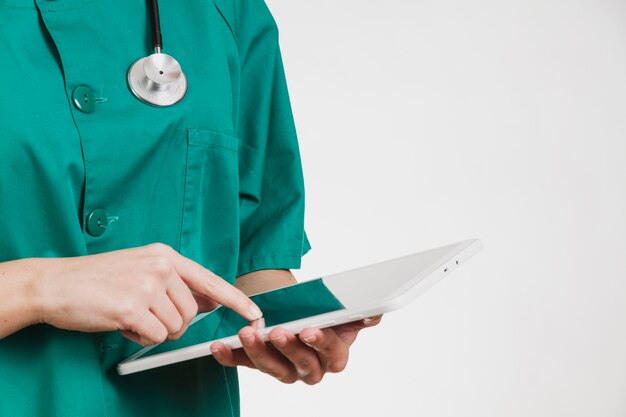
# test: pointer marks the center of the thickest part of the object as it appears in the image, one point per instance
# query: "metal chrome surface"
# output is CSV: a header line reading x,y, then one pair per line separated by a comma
x,y
157,80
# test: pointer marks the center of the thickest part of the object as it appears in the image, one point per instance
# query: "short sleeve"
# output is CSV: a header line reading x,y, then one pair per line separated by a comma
x,y
271,192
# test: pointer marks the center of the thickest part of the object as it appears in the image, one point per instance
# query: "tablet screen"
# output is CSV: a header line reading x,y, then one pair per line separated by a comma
x,y
286,304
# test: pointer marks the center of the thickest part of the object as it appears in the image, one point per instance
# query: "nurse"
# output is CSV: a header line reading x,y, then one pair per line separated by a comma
x,y
120,220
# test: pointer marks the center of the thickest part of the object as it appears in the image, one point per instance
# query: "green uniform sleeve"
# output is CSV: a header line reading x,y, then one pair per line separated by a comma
x,y
270,169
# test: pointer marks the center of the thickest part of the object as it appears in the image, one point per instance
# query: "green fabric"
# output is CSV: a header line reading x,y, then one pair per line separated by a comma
x,y
217,176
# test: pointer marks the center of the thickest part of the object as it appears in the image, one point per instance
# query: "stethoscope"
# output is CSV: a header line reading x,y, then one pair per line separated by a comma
x,y
157,79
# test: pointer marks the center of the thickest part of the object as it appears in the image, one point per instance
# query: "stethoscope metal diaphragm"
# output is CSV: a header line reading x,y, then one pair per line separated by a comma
x,y
157,80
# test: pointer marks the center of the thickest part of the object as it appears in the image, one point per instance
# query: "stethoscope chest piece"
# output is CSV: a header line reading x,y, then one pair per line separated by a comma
x,y
157,80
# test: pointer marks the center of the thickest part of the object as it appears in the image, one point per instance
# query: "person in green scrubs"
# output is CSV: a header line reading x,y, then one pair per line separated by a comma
x,y
120,221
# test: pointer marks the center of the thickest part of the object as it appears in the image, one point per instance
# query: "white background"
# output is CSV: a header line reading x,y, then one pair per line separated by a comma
x,y
423,123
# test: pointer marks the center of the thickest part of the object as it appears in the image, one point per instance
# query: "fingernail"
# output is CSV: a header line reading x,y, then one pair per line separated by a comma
x,y
309,339
280,341
247,339
144,341
214,350
255,311
258,323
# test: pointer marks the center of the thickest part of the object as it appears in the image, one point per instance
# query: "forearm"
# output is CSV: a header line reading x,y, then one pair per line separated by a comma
x,y
18,294
19,305
264,280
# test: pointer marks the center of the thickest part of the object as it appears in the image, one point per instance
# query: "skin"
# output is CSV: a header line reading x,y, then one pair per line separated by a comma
x,y
151,293
287,357
144,292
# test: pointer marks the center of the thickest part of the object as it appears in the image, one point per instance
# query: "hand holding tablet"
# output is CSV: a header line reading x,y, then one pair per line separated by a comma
x,y
324,302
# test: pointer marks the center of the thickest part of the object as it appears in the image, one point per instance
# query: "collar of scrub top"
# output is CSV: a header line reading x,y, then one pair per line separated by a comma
x,y
157,79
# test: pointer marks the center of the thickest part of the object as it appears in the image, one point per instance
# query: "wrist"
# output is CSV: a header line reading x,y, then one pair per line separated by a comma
x,y
32,289
20,294
49,289
264,280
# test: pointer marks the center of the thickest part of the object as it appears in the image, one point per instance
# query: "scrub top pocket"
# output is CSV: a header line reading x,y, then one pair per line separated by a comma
x,y
210,223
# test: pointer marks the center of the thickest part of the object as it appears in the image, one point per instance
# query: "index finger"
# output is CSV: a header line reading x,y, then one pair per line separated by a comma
x,y
205,282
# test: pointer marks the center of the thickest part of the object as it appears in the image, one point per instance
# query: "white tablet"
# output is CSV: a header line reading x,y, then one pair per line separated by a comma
x,y
319,303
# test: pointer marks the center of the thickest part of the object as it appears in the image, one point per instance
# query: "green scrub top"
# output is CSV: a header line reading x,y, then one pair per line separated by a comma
x,y
217,176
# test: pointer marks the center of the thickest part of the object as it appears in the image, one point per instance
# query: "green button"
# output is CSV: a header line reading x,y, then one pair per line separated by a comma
x,y
97,222
84,99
